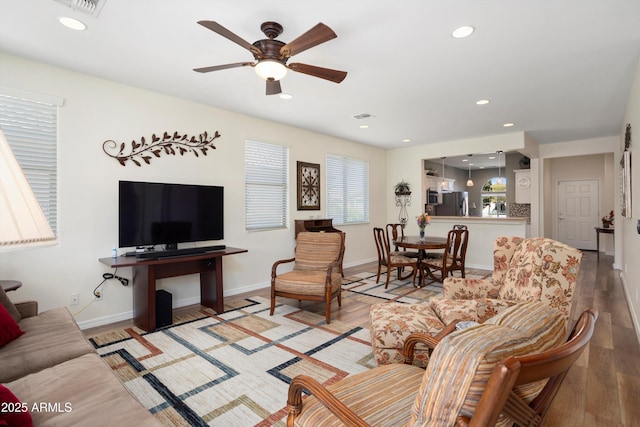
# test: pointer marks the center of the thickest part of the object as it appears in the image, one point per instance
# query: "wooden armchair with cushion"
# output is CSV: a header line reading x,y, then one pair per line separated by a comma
x,y
316,272
524,269
471,376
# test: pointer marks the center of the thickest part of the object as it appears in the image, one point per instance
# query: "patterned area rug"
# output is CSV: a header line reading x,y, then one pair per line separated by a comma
x,y
363,286
232,369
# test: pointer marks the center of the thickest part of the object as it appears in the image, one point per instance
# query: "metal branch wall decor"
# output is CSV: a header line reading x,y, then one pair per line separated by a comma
x,y
145,150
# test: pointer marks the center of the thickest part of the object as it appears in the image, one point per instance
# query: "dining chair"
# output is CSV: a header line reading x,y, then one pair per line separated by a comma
x,y
453,258
391,260
395,232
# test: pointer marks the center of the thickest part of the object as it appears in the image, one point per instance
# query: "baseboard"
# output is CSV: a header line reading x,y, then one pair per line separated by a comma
x,y
634,315
105,320
128,315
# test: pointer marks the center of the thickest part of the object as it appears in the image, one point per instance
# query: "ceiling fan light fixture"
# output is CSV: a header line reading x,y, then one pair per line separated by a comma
x,y
271,69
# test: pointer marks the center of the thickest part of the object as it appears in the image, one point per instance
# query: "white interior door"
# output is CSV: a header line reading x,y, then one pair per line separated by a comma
x,y
578,203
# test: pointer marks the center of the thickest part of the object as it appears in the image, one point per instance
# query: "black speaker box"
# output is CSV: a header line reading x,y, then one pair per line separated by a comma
x,y
164,312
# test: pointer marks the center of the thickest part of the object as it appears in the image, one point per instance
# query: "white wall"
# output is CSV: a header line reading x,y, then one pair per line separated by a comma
x,y
96,110
626,232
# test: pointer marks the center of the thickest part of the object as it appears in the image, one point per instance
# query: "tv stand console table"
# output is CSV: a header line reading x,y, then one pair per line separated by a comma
x,y
147,271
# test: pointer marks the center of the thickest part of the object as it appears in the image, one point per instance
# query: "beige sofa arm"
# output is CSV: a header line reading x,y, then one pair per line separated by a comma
x,y
27,308
459,288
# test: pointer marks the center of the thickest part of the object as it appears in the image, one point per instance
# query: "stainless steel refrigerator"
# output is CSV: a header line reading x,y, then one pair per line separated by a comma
x,y
455,203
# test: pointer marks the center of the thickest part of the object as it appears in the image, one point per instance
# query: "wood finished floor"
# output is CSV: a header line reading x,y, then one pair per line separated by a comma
x,y
601,389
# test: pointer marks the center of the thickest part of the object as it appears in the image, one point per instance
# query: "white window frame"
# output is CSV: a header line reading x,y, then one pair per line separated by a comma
x,y
266,186
29,122
347,190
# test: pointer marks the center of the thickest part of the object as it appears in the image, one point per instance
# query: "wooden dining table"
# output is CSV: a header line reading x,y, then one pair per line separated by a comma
x,y
422,244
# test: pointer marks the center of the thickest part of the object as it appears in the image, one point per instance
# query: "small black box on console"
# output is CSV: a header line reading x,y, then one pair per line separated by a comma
x,y
164,310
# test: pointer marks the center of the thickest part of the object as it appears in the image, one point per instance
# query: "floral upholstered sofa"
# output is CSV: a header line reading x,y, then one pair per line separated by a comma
x,y
538,269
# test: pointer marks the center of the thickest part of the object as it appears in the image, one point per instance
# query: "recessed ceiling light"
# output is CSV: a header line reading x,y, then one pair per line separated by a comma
x,y
72,23
492,157
364,126
406,140
462,32
508,125
482,102
465,160
286,96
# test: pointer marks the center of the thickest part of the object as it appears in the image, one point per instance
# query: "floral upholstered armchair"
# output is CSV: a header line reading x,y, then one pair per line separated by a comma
x,y
538,269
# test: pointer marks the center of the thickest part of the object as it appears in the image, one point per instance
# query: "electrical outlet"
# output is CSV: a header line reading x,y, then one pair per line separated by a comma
x,y
98,293
75,299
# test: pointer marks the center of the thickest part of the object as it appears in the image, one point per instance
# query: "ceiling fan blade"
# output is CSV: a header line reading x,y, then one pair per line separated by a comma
x,y
222,67
315,36
217,28
335,76
273,87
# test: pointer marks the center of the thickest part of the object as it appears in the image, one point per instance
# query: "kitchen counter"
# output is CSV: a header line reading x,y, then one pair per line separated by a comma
x,y
482,233
477,219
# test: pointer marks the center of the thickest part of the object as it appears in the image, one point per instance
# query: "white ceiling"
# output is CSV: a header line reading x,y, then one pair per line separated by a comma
x,y
561,70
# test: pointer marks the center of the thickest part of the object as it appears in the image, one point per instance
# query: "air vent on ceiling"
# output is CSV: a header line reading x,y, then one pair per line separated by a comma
x,y
90,7
362,116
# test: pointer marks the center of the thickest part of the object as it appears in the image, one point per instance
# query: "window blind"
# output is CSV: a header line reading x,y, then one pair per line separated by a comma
x,y
30,127
266,186
347,190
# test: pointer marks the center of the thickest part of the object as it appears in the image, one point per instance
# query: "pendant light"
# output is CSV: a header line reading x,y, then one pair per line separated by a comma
x,y
443,184
469,181
499,180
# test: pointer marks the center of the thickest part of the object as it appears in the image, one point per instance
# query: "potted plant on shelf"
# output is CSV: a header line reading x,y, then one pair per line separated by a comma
x,y
403,187
607,220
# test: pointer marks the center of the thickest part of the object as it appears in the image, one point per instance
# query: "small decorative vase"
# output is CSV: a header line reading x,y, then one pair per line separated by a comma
x,y
605,224
421,231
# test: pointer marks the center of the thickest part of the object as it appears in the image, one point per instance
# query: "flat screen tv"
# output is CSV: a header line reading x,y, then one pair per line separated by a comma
x,y
151,213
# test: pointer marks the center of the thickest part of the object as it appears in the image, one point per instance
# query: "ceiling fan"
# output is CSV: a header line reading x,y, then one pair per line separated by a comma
x,y
271,55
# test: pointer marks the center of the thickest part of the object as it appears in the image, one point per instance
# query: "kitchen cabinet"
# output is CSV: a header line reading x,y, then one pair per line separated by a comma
x,y
431,182
448,185
434,183
523,185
